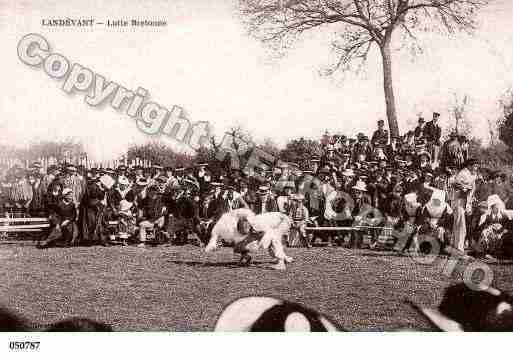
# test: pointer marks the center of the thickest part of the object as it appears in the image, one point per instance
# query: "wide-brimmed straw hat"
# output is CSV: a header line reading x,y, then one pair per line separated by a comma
x,y
360,186
123,180
124,205
262,190
348,172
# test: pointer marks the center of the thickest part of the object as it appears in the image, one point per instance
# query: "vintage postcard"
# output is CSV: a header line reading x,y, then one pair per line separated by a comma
x,y
255,166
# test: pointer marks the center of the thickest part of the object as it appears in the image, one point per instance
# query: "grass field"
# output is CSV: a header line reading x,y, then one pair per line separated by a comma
x,y
183,289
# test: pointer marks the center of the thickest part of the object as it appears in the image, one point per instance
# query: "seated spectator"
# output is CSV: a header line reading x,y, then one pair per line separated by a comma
x,y
127,220
360,211
492,227
435,218
152,213
64,228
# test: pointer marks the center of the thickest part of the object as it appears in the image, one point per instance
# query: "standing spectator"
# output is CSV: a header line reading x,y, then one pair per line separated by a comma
x,y
392,149
21,193
299,215
380,136
51,175
433,133
92,211
233,200
265,202
36,207
464,185
419,132
284,201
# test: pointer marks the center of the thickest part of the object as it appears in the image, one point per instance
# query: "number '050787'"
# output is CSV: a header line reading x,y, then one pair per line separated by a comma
x,y
24,345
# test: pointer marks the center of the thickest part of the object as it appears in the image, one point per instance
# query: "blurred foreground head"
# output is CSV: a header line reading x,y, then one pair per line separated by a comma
x,y
464,309
461,309
12,322
266,314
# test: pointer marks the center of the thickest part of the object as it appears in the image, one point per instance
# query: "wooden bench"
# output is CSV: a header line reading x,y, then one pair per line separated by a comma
x,y
15,227
384,239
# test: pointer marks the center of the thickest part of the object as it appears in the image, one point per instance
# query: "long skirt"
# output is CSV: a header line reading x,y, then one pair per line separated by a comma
x,y
459,228
91,224
490,241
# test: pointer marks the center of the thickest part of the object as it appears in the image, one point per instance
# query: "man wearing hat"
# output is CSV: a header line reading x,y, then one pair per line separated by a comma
x,y
409,165
74,181
265,202
20,193
187,217
362,149
499,186
92,210
92,175
329,159
65,227
419,132
122,191
362,203
138,172
36,206
299,215
392,149
203,177
152,213
424,161
284,200
233,199
156,170
433,133
51,174
380,136
247,194
216,207
141,184
122,170
408,143
315,164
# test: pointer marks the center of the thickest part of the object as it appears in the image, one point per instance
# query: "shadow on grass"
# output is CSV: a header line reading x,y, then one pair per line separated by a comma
x,y
384,254
233,264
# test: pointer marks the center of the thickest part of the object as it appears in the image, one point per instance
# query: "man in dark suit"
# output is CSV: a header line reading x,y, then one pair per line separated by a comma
x,y
432,133
380,136
420,129
392,149
265,202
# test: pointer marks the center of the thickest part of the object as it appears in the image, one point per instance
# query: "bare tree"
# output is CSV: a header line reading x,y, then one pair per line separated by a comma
x,y
459,110
360,25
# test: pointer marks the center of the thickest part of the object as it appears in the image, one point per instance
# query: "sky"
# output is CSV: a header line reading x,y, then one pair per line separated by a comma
x,y
204,62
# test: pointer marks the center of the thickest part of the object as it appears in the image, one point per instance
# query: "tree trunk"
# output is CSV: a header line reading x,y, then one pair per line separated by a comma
x,y
389,89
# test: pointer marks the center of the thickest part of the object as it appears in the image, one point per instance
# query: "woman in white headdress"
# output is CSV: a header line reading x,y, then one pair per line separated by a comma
x,y
492,227
436,217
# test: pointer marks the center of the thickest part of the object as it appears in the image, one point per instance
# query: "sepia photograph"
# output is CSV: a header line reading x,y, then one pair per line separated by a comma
x,y
255,166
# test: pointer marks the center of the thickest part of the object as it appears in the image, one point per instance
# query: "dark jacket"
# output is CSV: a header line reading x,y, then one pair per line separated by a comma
x,y
379,137
270,205
433,133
